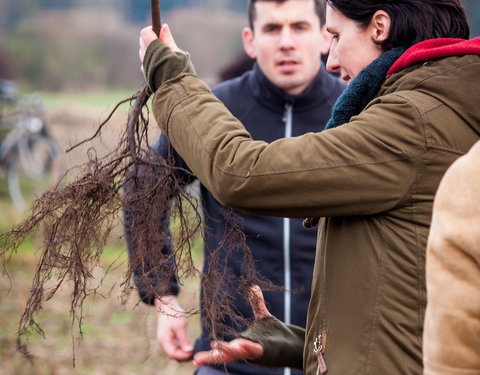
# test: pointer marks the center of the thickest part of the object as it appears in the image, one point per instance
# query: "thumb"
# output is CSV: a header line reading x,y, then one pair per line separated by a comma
x,y
184,341
257,302
166,38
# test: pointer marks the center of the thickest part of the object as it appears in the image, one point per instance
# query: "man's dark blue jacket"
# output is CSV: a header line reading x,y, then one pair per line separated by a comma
x,y
283,249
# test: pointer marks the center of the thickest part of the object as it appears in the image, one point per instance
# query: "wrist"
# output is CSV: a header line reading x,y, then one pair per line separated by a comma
x,y
161,64
168,305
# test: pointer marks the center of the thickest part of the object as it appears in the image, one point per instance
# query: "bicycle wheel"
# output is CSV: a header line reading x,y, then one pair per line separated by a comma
x,y
33,168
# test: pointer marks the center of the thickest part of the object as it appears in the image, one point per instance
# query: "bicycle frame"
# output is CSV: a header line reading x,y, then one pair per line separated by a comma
x,y
22,122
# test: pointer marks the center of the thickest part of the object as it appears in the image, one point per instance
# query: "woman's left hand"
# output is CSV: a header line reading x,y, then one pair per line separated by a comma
x,y
225,352
241,348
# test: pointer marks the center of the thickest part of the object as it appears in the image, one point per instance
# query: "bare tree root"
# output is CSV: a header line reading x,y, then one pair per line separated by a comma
x,y
74,222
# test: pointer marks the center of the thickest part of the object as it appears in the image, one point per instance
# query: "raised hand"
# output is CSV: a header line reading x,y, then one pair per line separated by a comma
x,y
161,59
147,36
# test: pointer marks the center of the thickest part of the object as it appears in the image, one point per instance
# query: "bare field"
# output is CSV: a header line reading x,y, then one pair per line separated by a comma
x,y
118,336
118,332
72,123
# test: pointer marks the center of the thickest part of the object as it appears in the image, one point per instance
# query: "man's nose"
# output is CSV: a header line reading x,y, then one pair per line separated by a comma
x,y
286,39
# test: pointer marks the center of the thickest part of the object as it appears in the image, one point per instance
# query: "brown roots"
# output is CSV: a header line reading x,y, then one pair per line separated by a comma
x,y
75,221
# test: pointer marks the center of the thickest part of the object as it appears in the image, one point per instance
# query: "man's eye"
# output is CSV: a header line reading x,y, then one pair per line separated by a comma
x,y
271,29
301,27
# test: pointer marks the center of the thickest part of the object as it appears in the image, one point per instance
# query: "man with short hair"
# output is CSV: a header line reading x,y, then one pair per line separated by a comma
x,y
287,93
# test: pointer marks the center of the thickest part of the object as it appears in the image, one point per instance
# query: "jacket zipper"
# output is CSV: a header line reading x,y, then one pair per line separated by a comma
x,y
318,350
319,346
286,239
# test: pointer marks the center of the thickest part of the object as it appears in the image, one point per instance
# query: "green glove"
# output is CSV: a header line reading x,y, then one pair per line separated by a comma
x,y
282,343
160,64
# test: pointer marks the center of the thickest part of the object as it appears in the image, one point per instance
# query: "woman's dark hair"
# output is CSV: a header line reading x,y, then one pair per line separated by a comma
x,y
412,21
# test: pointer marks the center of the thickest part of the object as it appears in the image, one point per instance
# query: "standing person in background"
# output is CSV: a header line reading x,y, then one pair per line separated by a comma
x,y
410,110
287,93
239,65
452,322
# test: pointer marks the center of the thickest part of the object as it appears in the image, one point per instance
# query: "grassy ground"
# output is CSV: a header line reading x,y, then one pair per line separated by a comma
x,y
118,337
118,334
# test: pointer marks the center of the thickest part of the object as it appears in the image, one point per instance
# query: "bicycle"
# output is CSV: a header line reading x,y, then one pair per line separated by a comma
x,y
29,155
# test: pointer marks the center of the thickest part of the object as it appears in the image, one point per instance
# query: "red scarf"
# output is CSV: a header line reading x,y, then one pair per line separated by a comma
x,y
435,49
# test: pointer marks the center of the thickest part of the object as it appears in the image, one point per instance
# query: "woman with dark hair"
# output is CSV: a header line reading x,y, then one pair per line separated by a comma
x,y
410,110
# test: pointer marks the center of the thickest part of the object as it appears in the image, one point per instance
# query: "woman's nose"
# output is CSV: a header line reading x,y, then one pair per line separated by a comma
x,y
332,63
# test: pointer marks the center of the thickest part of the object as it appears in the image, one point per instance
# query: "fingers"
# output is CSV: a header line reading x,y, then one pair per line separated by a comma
x,y
172,335
166,38
147,36
238,349
241,348
257,302
141,54
225,352
214,356
172,329
184,341
174,348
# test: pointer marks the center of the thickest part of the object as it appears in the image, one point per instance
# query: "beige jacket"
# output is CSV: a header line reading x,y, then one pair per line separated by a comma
x,y
452,323
373,178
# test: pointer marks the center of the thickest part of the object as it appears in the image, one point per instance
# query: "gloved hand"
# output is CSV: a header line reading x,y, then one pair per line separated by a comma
x,y
267,342
239,349
161,58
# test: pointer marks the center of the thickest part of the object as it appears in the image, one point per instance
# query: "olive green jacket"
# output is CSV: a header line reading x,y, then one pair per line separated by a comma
x,y
373,180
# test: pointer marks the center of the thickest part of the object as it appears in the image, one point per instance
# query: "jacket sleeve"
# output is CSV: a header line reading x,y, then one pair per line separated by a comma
x,y
364,167
148,276
160,64
282,343
452,322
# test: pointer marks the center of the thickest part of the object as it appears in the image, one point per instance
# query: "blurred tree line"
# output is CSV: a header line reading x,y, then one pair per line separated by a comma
x,y
136,10
92,44
60,45
12,11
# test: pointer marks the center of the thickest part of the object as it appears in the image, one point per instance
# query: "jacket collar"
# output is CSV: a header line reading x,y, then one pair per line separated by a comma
x,y
435,49
275,98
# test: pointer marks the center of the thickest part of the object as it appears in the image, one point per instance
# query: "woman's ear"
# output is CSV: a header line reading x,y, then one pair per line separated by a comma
x,y
248,45
380,26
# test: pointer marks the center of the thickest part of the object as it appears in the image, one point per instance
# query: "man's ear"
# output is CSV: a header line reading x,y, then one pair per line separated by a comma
x,y
326,40
247,38
380,26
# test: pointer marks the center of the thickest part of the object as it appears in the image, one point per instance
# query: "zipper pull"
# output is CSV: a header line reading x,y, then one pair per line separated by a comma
x,y
287,116
318,350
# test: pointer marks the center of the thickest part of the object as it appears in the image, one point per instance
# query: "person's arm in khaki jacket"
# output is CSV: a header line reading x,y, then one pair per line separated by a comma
x,y
452,323
331,173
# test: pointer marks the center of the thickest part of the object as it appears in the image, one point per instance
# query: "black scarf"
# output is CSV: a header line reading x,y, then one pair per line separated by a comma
x,y
363,88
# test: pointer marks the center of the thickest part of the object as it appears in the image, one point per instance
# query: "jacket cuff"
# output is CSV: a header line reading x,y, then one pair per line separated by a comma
x,y
282,343
147,293
160,64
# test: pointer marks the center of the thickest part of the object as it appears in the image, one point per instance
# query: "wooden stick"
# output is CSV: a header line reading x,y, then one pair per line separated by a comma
x,y
144,94
156,22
